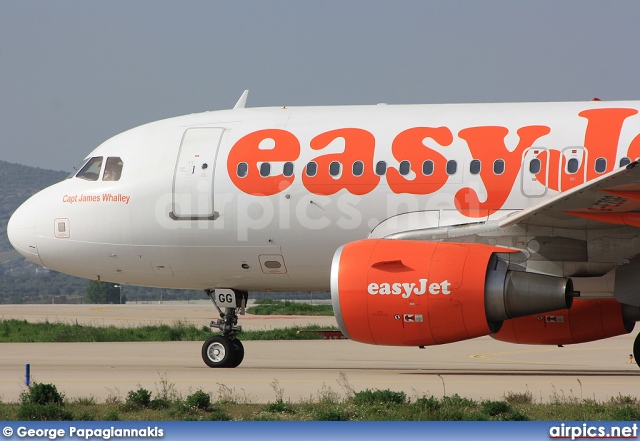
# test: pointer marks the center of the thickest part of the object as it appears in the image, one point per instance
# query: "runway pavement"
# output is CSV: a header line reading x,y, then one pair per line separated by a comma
x,y
481,368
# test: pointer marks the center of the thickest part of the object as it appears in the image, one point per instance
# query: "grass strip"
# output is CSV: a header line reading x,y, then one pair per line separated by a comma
x,y
43,402
278,307
21,331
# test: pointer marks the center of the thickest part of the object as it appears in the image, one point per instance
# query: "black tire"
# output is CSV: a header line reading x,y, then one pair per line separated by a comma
x,y
636,349
218,352
239,353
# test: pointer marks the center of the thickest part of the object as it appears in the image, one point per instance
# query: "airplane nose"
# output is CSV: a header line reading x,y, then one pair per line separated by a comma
x,y
21,231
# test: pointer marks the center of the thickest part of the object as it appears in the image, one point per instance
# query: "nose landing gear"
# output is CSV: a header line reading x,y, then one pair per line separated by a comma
x,y
225,351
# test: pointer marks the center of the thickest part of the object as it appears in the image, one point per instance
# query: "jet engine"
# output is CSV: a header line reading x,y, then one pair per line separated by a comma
x,y
587,320
414,293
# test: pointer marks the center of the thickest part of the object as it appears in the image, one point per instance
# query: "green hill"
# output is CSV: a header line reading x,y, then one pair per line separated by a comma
x,y
18,183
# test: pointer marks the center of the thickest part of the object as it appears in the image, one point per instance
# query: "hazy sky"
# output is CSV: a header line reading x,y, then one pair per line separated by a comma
x,y
74,73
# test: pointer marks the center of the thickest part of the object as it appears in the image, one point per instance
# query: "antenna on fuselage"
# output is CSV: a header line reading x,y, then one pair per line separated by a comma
x,y
242,101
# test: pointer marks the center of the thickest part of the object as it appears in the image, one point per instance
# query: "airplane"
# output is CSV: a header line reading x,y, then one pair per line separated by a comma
x,y
429,224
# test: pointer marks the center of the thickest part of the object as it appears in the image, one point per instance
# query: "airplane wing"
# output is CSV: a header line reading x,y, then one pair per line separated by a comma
x,y
608,206
612,199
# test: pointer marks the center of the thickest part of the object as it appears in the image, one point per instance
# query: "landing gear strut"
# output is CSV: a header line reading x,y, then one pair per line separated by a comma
x,y
225,351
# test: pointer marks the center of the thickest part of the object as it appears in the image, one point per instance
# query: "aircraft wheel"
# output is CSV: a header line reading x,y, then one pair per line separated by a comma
x,y
239,352
636,349
219,352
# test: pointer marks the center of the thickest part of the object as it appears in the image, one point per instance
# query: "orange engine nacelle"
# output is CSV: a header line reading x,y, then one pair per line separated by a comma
x,y
587,320
414,293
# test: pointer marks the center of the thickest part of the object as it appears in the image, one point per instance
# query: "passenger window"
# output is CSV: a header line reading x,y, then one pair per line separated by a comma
x,y
452,167
242,169
534,166
358,168
427,167
287,170
381,168
573,165
475,166
601,165
113,169
498,166
405,168
312,169
334,168
625,161
91,170
265,169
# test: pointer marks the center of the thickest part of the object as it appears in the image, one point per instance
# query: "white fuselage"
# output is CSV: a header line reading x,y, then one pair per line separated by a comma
x,y
182,215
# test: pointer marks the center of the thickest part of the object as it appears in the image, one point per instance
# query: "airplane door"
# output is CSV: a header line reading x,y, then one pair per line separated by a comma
x,y
193,176
535,171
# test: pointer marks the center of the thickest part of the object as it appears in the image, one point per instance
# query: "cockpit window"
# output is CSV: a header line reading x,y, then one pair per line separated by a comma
x,y
91,170
113,169
75,169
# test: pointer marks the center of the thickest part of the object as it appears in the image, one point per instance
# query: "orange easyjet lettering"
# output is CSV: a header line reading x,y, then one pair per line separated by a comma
x,y
359,146
256,148
487,144
600,141
602,136
261,163
409,146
